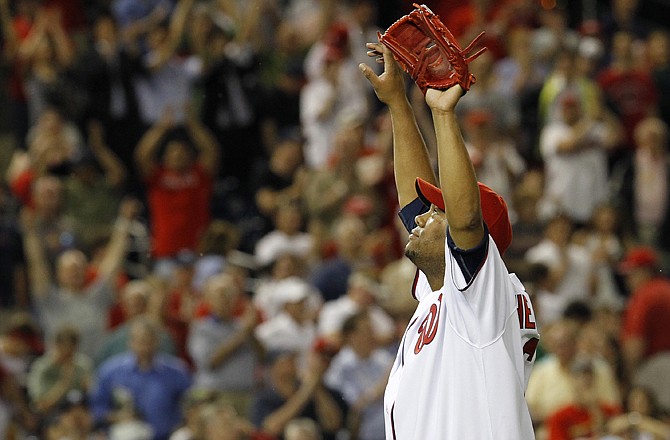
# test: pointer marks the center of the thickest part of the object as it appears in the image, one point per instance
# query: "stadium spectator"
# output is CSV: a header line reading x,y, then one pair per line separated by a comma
x,y
550,385
568,261
629,90
359,371
588,414
60,374
361,296
92,193
134,302
645,320
141,385
293,328
574,149
292,392
223,347
179,182
288,236
64,297
642,187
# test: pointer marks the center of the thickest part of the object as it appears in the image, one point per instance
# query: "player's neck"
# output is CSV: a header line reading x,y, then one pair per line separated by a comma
x,y
436,280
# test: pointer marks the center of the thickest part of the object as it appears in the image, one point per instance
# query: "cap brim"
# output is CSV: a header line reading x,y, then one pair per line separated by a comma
x,y
429,193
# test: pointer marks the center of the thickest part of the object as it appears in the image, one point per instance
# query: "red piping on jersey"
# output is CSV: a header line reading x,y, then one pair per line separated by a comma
x,y
414,283
402,343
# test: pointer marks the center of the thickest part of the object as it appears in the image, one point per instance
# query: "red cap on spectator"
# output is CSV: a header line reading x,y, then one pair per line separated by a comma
x,y
638,257
494,210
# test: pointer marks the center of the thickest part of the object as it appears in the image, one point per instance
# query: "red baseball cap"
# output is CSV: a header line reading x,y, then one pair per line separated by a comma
x,y
494,210
638,257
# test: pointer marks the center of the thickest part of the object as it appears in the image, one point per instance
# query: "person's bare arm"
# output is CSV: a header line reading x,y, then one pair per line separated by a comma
x,y
275,422
147,147
328,412
115,172
118,242
205,142
26,49
175,32
632,351
232,344
457,175
39,274
410,155
63,47
248,23
51,397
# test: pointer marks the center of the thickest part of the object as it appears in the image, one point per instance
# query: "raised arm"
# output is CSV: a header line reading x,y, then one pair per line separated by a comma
x,y
11,41
457,175
113,168
147,147
175,33
118,242
245,334
39,273
63,46
205,142
410,155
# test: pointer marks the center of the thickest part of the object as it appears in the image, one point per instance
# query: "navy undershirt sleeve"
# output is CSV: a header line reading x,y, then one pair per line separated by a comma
x,y
469,260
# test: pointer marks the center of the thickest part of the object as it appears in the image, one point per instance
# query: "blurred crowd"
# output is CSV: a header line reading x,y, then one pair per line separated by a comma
x,y
198,229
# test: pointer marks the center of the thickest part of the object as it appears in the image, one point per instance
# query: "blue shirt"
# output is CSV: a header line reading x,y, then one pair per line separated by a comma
x,y
156,392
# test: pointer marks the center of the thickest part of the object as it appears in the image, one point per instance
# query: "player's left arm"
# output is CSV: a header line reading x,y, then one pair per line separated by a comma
x,y
457,175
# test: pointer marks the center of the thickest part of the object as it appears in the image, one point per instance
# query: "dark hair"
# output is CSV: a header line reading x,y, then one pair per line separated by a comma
x,y
578,311
351,323
177,134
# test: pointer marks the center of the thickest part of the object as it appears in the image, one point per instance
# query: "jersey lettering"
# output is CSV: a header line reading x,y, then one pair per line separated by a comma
x,y
428,328
525,312
529,348
527,322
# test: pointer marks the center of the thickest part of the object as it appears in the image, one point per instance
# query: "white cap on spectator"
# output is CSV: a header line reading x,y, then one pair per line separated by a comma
x,y
292,290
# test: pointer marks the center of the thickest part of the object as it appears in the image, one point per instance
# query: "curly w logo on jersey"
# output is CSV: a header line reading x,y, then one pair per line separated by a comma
x,y
428,328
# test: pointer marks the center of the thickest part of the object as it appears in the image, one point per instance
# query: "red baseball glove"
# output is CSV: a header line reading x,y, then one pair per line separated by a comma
x,y
428,51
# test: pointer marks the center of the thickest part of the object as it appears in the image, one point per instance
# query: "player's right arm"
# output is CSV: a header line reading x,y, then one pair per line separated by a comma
x,y
410,154
458,180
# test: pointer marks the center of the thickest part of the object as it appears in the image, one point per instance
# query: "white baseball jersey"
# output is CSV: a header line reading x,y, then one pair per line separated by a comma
x,y
465,359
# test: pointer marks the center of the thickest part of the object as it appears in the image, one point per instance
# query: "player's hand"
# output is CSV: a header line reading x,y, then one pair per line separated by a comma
x,y
390,85
444,100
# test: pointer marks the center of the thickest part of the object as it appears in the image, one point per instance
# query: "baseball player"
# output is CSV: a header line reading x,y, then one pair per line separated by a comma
x,y
466,355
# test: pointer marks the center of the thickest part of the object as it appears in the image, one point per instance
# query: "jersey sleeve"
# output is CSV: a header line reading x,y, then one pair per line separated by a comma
x,y
478,309
528,326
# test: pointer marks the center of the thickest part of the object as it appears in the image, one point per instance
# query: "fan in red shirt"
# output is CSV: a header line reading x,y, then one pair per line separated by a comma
x,y
646,319
179,183
586,417
630,90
